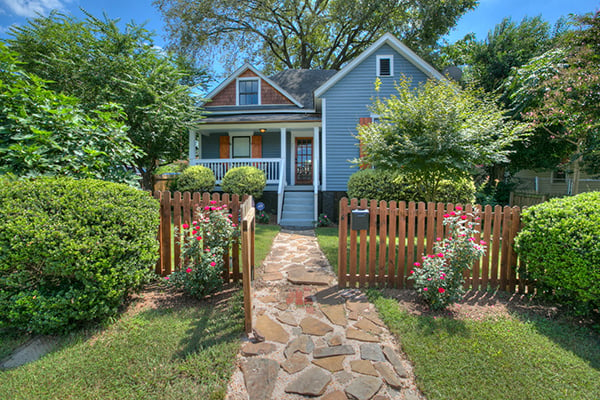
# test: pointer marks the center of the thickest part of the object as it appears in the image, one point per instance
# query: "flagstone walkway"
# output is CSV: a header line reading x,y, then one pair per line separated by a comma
x,y
312,340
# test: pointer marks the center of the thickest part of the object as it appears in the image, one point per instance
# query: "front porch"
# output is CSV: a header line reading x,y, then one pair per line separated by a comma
x,y
289,156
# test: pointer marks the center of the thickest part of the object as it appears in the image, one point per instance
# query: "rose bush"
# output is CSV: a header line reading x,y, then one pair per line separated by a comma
x,y
439,278
204,243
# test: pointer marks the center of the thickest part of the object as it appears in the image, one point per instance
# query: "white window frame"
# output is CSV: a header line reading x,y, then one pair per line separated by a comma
x,y
384,57
237,90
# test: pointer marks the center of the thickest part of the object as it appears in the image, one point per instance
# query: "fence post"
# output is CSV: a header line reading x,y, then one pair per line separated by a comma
x,y
247,260
342,242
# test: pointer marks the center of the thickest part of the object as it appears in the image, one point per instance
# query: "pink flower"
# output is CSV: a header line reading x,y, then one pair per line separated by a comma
x,y
440,254
185,226
446,215
213,202
463,217
166,278
194,232
438,239
482,242
188,270
212,263
212,209
452,213
442,277
441,290
428,279
194,222
207,208
412,272
431,256
458,208
207,249
198,237
417,264
425,289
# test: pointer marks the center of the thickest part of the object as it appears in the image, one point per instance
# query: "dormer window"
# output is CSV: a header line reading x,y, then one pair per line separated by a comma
x,y
385,65
248,91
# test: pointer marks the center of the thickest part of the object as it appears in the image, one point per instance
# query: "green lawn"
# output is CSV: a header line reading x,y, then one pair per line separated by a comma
x,y
174,352
509,358
263,238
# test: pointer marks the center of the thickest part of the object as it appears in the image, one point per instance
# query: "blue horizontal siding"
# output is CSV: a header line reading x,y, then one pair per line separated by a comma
x,y
271,145
347,101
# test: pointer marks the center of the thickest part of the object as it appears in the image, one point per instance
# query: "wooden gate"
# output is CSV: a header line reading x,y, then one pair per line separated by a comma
x,y
398,235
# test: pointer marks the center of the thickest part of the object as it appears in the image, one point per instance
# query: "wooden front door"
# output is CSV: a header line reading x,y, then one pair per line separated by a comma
x,y
304,160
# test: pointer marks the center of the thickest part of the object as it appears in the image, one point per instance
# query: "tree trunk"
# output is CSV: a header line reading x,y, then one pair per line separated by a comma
x,y
576,175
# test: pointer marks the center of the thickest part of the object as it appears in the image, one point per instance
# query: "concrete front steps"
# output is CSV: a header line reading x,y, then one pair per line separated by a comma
x,y
298,209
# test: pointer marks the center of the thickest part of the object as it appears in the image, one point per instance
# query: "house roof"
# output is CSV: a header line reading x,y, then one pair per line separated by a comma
x,y
301,83
394,43
241,70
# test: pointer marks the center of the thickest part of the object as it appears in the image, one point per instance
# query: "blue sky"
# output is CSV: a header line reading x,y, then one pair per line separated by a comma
x,y
480,20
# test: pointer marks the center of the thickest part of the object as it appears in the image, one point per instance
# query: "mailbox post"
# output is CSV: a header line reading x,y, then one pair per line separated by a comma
x,y
360,220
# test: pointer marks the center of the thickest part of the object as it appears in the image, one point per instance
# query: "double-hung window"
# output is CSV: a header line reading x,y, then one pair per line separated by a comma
x,y
248,91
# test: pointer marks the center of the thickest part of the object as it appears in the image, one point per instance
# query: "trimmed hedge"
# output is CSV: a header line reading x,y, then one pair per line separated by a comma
x,y
196,178
560,244
244,180
70,250
389,185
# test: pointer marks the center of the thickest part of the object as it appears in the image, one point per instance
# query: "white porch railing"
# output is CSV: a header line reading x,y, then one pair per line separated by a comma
x,y
272,167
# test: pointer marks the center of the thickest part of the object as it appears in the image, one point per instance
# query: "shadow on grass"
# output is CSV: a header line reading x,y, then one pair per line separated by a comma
x,y
220,321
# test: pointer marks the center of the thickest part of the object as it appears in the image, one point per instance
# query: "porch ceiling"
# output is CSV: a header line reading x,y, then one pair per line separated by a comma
x,y
260,118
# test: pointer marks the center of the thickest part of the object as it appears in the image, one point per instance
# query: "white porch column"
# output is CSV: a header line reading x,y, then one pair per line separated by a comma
x,y
192,147
317,159
283,153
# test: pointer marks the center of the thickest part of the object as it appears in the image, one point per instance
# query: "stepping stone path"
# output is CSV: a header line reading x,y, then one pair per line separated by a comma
x,y
312,340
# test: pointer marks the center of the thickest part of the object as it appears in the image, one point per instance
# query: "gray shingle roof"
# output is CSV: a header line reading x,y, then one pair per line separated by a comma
x,y
301,83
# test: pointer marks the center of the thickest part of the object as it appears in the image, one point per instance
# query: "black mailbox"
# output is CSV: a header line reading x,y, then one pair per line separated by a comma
x,y
360,220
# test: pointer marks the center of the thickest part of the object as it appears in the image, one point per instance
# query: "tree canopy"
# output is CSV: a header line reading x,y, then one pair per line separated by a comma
x,y
559,92
45,133
437,131
98,63
324,34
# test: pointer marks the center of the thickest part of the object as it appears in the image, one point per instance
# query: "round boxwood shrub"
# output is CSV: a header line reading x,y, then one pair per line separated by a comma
x,y
560,245
196,178
390,185
70,250
244,180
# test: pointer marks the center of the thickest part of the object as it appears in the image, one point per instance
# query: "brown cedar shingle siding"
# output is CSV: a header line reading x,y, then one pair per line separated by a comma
x,y
226,97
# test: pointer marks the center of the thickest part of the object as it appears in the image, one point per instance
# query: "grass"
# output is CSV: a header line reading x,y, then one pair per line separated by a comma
x,y
263,238
329,243
513,357
174,352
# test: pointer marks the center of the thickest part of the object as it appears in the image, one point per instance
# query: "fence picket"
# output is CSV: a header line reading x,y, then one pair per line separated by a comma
x,y
177,230
393,217
362,273
496,241
487,229
343,242
410,235
372,241
402,214
383,211
353,255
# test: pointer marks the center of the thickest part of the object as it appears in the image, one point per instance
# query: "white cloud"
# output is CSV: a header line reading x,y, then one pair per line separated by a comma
x,y
30,8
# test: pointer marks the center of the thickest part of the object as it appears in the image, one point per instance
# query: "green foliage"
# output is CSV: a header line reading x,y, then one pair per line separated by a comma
x,y
204,244
244,180
439,279
175,167
437,131
97,62
304,34
196,178
70,250
391,186
45,133
559,243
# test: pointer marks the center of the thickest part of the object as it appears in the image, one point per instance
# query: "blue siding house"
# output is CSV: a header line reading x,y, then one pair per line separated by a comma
x,y
299,126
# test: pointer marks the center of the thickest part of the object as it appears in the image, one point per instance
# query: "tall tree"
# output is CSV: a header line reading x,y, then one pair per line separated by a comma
x,y
559,92
304,33
97,62
45,133
437,131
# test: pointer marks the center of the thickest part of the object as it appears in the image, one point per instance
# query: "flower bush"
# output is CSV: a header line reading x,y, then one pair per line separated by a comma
x,y
262,217
204,243
439,278
323,221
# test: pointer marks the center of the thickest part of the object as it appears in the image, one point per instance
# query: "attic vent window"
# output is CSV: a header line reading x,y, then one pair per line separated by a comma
x,y
385,65
248,91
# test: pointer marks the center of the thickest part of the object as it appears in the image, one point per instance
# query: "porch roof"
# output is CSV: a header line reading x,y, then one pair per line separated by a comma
x,y
262,118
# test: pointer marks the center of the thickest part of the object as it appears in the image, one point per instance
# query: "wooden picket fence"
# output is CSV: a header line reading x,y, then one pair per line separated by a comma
x,y
177,209
398,235
248,228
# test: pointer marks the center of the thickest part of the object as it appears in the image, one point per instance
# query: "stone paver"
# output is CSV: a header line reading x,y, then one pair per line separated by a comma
x,y
260,375
311,383
315,340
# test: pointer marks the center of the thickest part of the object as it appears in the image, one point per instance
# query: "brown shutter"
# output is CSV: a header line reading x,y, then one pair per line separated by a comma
x,y
224,146
361,152
256,146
